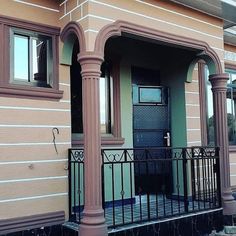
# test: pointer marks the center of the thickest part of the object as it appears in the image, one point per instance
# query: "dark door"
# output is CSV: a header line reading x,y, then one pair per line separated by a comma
x,y
151,130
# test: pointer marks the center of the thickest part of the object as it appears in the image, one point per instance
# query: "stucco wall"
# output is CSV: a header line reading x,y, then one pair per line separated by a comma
x,y
33,177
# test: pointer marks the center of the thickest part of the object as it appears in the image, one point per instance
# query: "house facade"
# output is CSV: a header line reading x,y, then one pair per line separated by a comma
x,y
139,93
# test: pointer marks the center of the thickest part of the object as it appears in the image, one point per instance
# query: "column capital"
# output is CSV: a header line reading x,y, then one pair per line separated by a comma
x,y
90,64
219,81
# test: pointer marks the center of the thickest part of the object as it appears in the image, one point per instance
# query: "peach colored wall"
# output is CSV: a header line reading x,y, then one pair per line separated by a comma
x,y
160,15
29,164
193,110
33,177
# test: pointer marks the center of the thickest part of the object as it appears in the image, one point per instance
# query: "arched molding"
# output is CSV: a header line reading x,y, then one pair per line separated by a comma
x,y
70,33
120,28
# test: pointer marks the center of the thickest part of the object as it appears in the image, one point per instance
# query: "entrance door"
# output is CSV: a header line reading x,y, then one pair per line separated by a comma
x,y
151,130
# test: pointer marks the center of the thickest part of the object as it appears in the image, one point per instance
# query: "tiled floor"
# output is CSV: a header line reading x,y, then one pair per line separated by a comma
x,y
158,207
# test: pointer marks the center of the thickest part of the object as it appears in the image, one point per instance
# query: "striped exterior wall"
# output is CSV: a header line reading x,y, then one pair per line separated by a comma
x,y
230,60
193,110
33,177
93,15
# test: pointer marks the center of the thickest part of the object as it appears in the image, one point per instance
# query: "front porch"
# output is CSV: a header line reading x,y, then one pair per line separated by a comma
x,y
150,185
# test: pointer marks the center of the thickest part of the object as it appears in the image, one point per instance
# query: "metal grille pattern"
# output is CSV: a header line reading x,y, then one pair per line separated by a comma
x,y
149,184
150,117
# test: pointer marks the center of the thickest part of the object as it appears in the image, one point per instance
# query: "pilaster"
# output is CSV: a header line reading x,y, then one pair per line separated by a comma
x,y
219,88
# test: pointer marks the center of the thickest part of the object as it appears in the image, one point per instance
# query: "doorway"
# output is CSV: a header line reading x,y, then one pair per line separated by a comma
x,y
151,130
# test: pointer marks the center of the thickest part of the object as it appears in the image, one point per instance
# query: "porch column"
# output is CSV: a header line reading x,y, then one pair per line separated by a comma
x,y
219,88
93,221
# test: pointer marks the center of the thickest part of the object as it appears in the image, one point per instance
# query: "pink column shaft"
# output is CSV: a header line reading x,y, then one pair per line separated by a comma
x,y
219,88
93,221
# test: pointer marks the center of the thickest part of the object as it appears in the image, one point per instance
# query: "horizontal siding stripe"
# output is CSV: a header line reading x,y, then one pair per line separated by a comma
x,y
35,197
33,144
194,141
33,108
192,105
64,84
155,19
31,162
193,117
69,12
33,179
91,30
177,13
65,101
35,126
197,93
96,17
36,5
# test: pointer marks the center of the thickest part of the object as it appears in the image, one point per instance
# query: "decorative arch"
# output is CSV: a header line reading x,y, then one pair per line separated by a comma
x,y
70,33
120,28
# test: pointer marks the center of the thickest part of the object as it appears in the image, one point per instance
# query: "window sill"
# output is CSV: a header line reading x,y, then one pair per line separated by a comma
x,y
106,141
30,92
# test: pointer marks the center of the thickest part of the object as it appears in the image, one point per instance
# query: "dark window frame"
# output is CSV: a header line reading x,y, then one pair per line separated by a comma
x,y
9,88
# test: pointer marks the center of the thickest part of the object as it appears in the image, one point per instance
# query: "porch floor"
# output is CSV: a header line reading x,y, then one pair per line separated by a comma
x,y
154,208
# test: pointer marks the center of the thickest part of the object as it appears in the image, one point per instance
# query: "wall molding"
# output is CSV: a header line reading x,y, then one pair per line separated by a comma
x,y
31,222
123,28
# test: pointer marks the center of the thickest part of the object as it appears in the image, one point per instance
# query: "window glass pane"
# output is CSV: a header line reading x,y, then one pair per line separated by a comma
x,y
21,55
209,109
39,60
150,95
104,105
231,96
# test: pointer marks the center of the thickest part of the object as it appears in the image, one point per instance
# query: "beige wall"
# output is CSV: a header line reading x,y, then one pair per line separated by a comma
x,y
33,177
193,110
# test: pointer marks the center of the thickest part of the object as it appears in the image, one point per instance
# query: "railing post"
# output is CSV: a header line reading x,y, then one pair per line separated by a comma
x,y
69,182
185,182
103,181
217,171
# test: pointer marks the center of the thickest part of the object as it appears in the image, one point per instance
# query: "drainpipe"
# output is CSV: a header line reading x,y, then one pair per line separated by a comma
x,y
219,88
93,220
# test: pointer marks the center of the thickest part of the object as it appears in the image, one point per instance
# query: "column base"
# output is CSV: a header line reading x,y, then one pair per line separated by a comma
x,y
92,230
228,203
93,223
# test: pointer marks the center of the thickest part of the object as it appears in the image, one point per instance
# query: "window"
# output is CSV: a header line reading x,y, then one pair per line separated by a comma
x,y
209,109
231,102
231,105
110,125
29,60
105,99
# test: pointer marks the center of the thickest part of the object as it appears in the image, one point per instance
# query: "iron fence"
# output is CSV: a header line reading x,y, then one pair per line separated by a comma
x,y
149,184
76,184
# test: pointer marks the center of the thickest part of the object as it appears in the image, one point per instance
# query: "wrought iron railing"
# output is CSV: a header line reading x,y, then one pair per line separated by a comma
x,y
150,184
76,184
